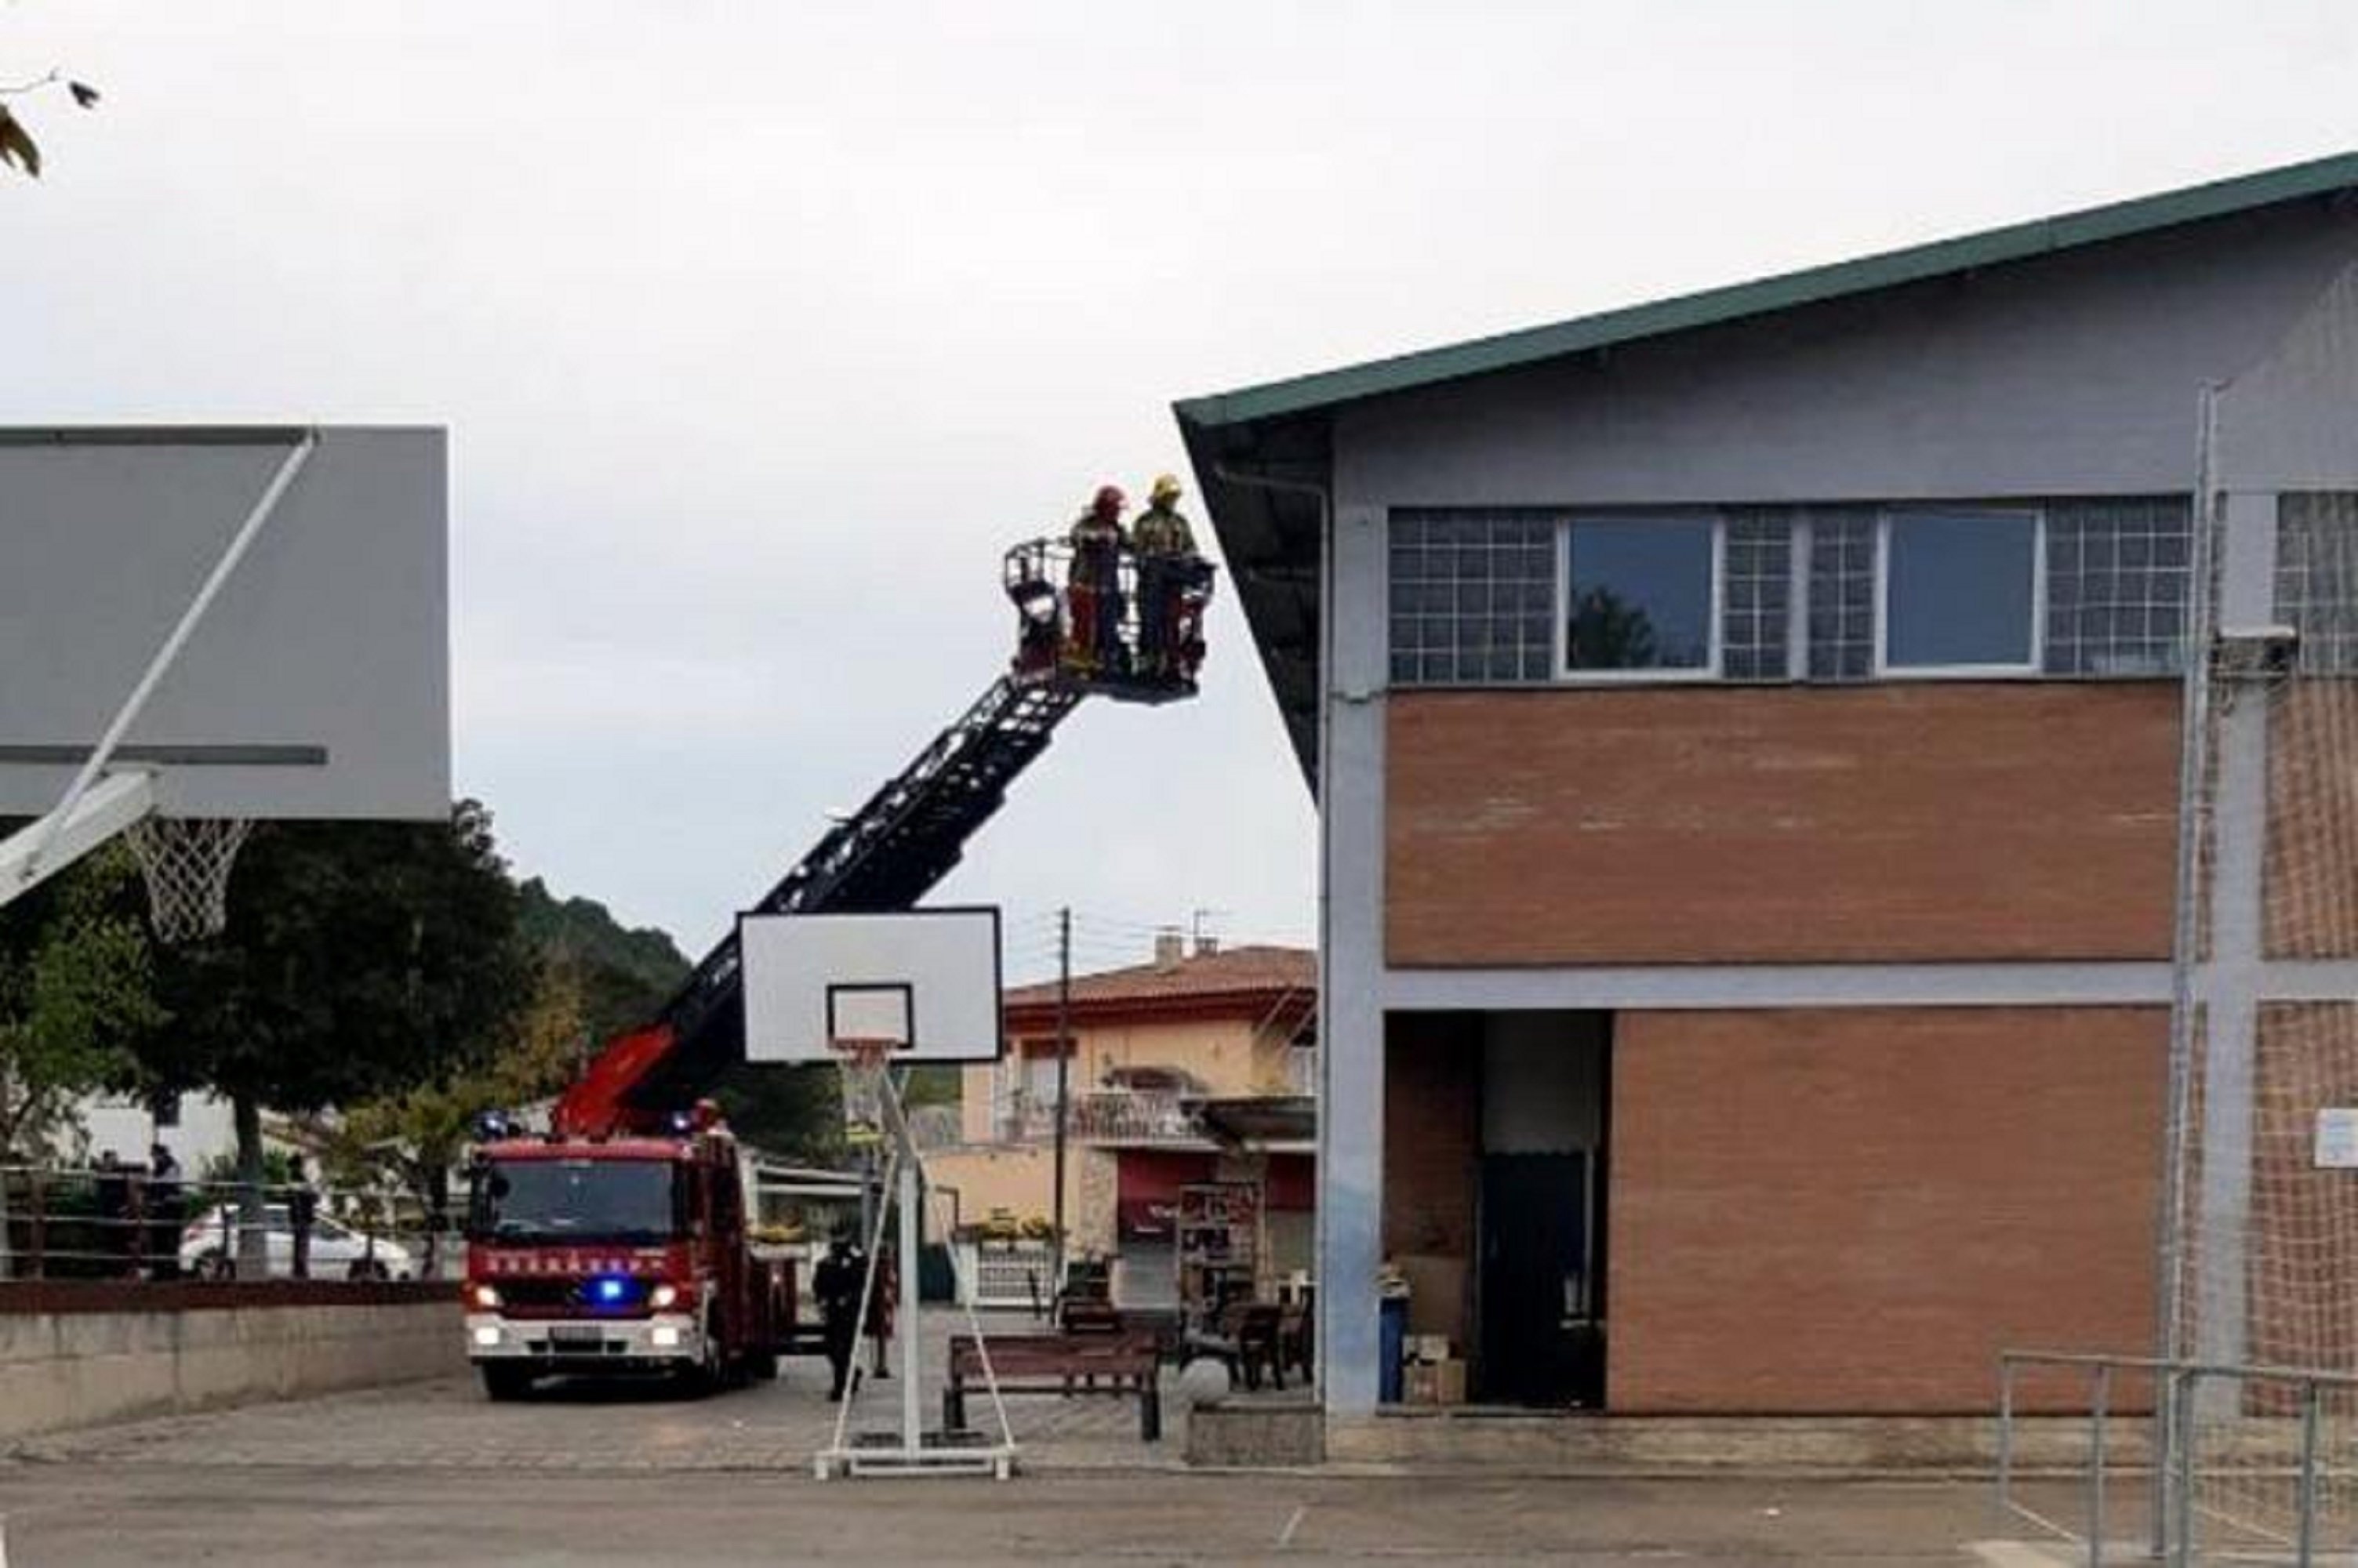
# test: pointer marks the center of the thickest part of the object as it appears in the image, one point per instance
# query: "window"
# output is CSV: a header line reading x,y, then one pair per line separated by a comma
x,y
1960,592
576,1200
1473,595
1841,594
1755,622
1640,595
2317,576
2117,573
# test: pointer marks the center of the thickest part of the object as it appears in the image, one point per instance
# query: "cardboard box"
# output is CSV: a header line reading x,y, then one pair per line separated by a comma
x,y
1420,1384
1449,1382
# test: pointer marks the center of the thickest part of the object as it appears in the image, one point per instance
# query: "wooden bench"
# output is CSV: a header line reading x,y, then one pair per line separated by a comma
x,y
1119,1365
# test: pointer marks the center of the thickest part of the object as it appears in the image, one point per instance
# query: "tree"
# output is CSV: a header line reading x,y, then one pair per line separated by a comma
x,y
1610,634
76,992
416,1137
17,149
360,959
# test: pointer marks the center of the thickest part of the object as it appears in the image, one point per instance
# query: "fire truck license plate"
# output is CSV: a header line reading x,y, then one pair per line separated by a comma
x,y
575,1334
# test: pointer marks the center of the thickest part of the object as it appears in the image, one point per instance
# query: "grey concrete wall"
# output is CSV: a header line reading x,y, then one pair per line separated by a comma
x,y
2075,374
81,1368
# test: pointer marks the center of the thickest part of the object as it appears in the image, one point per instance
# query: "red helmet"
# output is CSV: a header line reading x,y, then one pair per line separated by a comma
x,y
1110,500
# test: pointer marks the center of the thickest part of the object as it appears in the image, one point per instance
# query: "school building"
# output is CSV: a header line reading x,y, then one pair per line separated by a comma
x,y
1745,735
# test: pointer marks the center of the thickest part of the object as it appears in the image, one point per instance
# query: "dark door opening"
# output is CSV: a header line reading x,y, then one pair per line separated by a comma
x,y
1541,1343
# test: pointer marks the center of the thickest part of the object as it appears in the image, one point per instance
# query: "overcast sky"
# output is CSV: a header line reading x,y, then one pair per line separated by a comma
x,y
761,328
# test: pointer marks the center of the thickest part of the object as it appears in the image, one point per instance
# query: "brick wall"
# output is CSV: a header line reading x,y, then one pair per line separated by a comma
x,y
1432,1131
1928,820
1855,1211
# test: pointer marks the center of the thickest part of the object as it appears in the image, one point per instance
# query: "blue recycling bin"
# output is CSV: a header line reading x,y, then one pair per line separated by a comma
x,y
1392,1341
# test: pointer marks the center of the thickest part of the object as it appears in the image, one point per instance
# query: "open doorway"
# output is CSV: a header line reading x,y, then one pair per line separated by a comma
x,y
1540,1277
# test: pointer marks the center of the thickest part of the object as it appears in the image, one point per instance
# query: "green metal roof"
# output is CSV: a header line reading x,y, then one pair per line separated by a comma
x,y
2016,241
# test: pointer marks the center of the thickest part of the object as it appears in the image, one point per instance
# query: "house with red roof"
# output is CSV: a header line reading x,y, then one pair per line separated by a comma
x,y
1162,1059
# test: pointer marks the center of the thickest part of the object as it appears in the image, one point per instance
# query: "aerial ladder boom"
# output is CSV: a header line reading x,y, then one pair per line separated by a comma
x,y
912,832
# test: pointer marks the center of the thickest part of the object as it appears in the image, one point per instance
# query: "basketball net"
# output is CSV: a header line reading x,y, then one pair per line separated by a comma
x,y
866,1061
186,861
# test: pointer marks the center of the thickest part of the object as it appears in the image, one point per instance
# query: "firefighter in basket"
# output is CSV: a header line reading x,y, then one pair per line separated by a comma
x,y
1169,583
1093,587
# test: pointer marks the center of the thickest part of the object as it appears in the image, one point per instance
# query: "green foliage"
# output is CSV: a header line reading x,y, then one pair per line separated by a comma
x,y
279,1169
359,958
75,994
414,1138
794,1114
942,1083
625,974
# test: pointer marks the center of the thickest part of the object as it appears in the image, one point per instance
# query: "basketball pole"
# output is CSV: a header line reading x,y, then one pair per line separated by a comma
x,y
913,1418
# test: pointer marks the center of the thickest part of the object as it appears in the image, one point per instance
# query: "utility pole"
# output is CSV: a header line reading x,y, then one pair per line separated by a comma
x,y
1064,1079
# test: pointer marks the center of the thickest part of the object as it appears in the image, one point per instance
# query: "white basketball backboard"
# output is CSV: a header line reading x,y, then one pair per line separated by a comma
x,y
926,979
317,683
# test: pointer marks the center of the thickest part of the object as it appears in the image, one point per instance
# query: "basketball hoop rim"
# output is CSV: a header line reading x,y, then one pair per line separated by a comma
x,y
867,1051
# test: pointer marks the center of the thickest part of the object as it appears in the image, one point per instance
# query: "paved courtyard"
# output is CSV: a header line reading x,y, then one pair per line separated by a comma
x,y
449,1424
434,1472
108,1515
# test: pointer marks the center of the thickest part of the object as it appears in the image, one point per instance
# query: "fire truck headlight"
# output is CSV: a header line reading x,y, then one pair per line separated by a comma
x,y
663,1296
487,1336
484,1296
665,1336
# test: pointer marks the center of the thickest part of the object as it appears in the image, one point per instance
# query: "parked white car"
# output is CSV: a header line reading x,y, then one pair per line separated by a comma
x,y
208,1248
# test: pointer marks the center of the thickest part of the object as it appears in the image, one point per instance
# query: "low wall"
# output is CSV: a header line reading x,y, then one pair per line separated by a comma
x,y
1536,1444
77,1353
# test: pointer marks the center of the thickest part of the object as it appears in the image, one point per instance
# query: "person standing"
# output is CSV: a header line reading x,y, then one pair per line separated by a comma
x,y
114,1217
880,1311
302,1214
1092,586
1167,562
836,1285
163,1213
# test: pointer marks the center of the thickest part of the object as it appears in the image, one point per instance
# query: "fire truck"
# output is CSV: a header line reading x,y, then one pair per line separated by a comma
x,y
620,1240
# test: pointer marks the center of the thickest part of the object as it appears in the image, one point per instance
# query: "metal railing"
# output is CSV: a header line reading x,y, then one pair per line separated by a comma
x,y
126,1223
2246,1464
1105,1116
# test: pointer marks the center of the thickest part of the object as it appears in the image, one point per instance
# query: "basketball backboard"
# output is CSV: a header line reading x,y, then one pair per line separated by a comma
x,y
317,682
925,980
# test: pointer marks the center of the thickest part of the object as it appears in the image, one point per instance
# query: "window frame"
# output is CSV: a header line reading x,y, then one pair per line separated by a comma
x,y
1566,674
2032,667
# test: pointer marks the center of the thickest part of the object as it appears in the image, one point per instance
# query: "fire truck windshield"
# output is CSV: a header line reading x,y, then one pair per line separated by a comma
x,y
575,1200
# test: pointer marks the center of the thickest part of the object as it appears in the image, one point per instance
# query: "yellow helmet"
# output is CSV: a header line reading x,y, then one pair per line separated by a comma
x,y
1167,487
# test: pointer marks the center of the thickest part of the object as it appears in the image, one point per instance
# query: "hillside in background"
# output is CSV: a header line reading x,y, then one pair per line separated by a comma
x,y
626,974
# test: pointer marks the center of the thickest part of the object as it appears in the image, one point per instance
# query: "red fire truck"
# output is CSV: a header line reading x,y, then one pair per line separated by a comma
x,y
621,1255
620,1240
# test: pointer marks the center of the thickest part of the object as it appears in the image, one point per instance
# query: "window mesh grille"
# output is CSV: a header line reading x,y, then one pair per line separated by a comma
x,y
2317,578
1755,618
1473,598
1841,594
2116,575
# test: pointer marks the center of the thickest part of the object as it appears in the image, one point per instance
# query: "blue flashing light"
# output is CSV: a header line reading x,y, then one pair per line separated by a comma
x,y
610,1291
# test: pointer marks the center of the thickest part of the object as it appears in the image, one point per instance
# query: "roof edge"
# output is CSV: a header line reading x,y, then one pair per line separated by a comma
x,y
1780,291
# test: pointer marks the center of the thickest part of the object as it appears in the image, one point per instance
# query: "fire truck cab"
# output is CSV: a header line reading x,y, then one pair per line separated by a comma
x,y
617,1256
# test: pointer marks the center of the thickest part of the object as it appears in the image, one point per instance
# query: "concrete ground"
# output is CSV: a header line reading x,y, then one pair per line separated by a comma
x,y
432,1473
136,1516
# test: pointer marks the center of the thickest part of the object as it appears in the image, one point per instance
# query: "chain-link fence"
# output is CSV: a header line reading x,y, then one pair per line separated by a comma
x,y
121,1222
2259,1233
